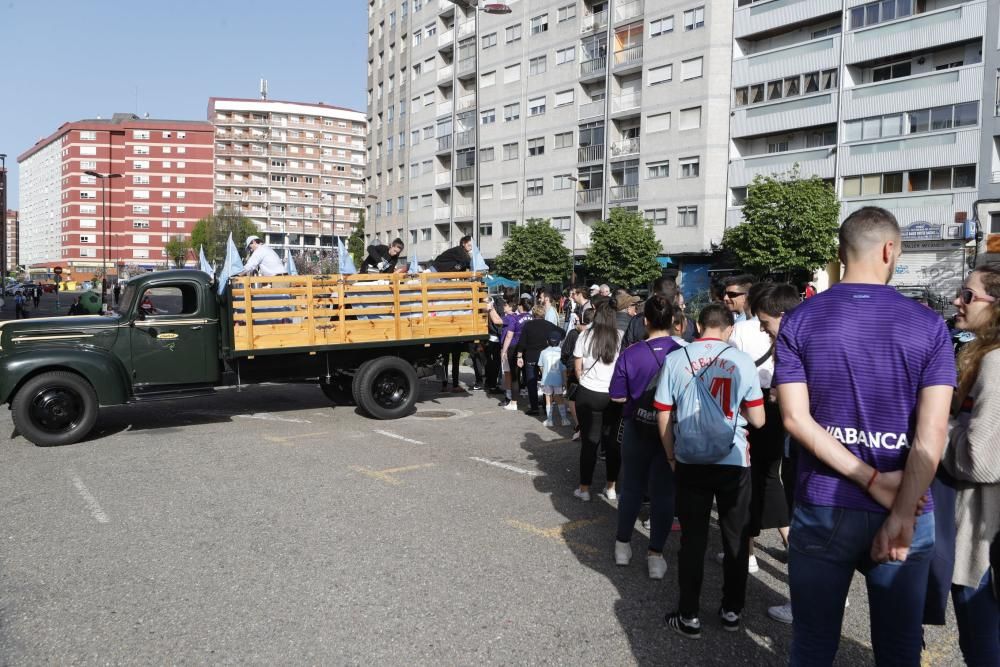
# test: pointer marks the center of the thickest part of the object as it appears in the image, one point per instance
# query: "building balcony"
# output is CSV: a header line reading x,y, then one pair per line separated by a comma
x,y
464,211
814,55
443,180
912,151
819,162
937,207
444,143
624,148
445,6
929,29
627,11
630,58
788,114
442,213
589,110
595,68
466,29
618,194
592,153
445,73
465,139
467,66
951,86
594,22
589,199
627,102
765,17
466,102
446,39
465,175
446,108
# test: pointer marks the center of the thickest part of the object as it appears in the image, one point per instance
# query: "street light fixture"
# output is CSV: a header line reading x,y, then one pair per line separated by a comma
x,y
105,246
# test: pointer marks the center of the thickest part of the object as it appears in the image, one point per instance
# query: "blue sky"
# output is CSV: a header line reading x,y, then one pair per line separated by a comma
x,y
72,59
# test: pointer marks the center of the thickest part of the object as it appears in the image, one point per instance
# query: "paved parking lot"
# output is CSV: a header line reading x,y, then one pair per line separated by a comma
x,y
265,526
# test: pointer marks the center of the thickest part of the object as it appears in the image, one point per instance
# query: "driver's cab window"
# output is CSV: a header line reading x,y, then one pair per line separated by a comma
x,y
169,300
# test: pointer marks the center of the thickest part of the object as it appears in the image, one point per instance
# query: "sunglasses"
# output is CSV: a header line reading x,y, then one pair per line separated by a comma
x,y
967,296
735,295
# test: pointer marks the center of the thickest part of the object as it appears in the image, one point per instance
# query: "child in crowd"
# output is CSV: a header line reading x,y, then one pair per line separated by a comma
x,y
553,374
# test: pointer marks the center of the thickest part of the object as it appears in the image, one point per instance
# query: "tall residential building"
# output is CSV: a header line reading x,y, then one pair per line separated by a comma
x,y
296,170
560,109
989,163
881,99
10,240
75,220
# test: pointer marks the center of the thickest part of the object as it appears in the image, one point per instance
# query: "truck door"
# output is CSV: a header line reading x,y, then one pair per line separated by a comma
x,y
173,341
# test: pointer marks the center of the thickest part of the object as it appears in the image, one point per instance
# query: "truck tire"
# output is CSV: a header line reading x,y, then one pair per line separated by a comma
x,y
386,388
356,380
338,390
55,408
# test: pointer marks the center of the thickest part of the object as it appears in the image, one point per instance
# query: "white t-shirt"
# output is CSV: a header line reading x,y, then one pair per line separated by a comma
x,y
265,261
747,337
595,375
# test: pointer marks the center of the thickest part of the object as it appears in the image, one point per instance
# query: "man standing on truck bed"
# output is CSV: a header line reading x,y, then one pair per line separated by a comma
x,y
382,259
458,258
263,260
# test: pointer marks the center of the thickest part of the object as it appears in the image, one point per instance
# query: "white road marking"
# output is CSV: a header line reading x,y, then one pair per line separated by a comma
x,y
506,466
88,498
267,416
389,434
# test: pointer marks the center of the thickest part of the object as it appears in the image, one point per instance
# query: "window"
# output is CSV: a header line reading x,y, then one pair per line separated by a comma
x,y
917,180
690,119
88,194
140,150
87,209
86,238
413,236
694,18
488,117
690,167
536,146
140,209
660,169
140,194
510,151
139,224
508,190
506,227
88,150
512,111
512,73
88,164
166,165
488,79
662,26
687,216
562,223
182,135
879,12
661,74
536,106
691,69
88,135
659,122
486,229
487,154
566,55
140,238
657,216
489,41
140,179
888,72
140,134
777,146
512,33
564,140
540,24
561,182
486,192
536,66
566,13
824,32
563,97
774,90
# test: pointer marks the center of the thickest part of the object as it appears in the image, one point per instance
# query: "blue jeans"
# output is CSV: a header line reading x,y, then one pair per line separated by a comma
x,y
645,468
978,616
826,546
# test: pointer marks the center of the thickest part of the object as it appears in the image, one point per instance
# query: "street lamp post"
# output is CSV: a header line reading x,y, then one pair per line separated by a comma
x,y
3,214
104,230
572,232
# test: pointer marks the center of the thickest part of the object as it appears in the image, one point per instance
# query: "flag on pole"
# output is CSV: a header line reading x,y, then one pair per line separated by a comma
x,y
478,263
344,260
414,266
203,262
290,265
232,266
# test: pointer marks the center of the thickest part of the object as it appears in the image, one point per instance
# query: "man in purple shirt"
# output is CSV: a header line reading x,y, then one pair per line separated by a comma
x,y
865,379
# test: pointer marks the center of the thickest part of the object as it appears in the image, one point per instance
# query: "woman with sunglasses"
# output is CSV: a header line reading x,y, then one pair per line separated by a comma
x,y
973,459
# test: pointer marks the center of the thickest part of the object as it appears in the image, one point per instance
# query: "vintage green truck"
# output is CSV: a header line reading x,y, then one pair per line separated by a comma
x,y
365,338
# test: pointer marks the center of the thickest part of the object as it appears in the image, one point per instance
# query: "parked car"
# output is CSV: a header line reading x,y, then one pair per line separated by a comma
x,y
49,288
924,295
11,289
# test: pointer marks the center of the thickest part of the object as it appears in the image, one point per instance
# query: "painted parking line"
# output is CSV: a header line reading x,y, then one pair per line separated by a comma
x,y
390,434
506,466
388,475
267,416
287,439
560,533
89,499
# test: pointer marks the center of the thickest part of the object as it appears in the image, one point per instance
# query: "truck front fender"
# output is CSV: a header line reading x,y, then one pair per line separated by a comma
x,y
100,368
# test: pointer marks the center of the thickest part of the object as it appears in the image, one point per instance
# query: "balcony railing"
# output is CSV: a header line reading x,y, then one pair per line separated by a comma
x,y
590,110
995,177
466,102
591,153
444,178
588,197
444,143
464,139
466,65
466,29
628,10
442,213
625,147
627,101
620,193
463,210
632,54
465,174
446,38
593,66
445,73
445,108
596,21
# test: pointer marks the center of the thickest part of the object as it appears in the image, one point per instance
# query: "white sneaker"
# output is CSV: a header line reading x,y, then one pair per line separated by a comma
x,y
576,435
610,494
582,495
782,613
657,565
548,423
752,566
623,553
511,407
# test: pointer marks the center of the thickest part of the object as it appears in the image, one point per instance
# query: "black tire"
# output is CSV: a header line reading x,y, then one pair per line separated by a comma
x,y
386,388
338,390
356,380
55,408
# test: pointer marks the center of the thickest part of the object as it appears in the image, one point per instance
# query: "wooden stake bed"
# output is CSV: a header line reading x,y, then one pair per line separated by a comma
x,y
320,311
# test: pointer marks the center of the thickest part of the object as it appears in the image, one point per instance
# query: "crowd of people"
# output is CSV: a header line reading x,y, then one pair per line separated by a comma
x,y
842,420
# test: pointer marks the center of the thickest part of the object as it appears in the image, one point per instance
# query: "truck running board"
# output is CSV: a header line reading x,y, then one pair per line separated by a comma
x,y
170,393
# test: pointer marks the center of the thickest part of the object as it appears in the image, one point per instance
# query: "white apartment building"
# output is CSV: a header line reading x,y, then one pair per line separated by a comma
x,y
296,170
560,109
882,99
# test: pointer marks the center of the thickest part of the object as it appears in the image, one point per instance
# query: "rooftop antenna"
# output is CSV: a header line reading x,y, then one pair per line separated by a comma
x,y
263,88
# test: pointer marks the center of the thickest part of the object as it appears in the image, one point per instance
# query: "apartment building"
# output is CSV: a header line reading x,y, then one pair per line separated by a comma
x,y
10,240
159,184
989,164
295,169
881,99
559,109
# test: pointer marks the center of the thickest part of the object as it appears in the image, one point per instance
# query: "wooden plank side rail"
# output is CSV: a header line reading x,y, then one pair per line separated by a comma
x,y
317,311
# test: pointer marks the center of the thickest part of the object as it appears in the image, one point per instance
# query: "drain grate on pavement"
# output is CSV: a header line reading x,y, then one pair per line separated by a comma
x,y
436,414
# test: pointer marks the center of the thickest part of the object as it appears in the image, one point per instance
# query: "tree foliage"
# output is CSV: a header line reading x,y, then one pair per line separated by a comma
x,y
212,232
177,250
356,241
791,225
534,252
623,250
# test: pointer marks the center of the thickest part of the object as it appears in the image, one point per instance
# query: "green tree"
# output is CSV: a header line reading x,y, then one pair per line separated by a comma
x,y
356,241
177,250
212,232
790,225
623,250
534,252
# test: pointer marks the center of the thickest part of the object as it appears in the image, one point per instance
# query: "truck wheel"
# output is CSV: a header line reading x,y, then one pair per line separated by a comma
x,y
387,388
356,380
338,390
55,408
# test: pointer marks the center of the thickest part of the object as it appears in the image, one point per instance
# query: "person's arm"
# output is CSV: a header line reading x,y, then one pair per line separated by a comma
x,y
618,387
253,262
976,457
754,413
506,341
495,318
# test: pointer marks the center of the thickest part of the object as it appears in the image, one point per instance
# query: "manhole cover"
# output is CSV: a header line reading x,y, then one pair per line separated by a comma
x,y
435,414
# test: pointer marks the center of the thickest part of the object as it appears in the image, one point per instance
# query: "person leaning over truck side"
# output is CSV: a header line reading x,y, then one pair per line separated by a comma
x,y
382,259
263,260
458,258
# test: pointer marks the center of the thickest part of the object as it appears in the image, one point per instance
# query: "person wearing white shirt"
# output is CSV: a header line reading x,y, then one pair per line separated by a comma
x,y
263,260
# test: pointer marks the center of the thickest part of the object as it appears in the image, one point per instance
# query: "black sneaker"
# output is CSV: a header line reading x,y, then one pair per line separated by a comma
x,y
685,627
531,413
730,620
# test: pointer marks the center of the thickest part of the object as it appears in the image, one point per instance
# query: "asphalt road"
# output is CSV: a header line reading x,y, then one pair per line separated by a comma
x,y
264,526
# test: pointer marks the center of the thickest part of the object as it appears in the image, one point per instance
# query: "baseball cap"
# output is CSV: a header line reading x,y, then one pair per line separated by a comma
x,y
623,300
554,338
251,239
594,289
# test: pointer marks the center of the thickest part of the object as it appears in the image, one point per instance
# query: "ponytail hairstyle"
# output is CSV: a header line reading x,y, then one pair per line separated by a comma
x,y
659,313
987,336
602,337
